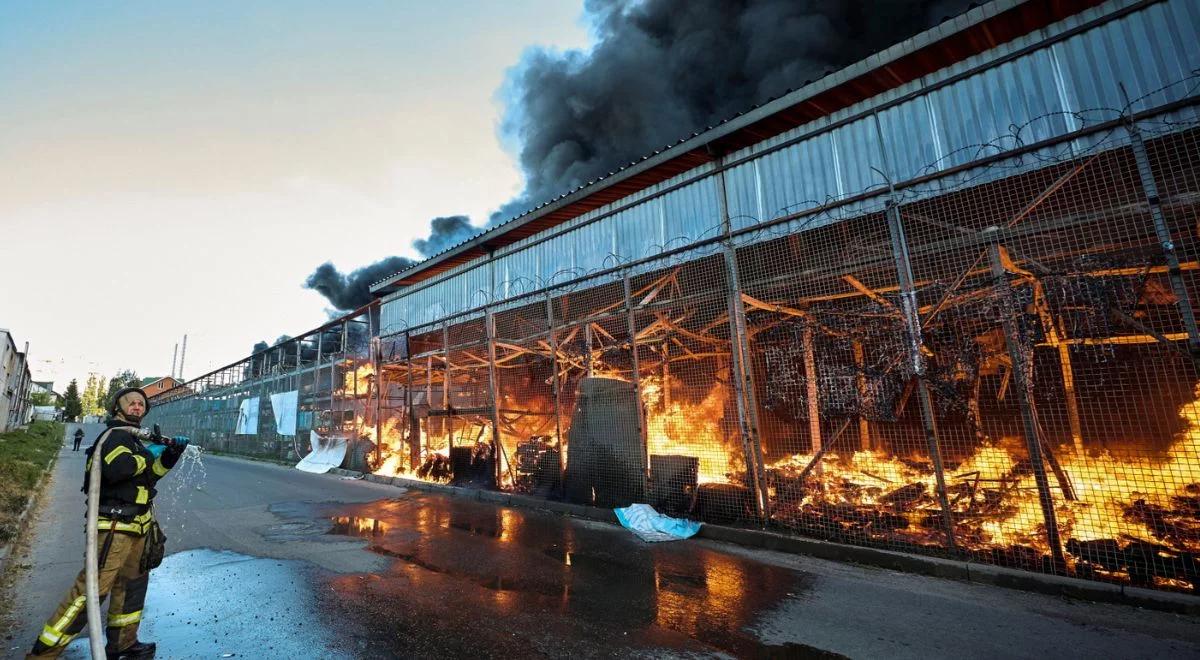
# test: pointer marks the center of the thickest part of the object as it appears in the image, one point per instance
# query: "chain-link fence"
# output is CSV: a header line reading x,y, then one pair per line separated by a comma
x,y
278,402
996,362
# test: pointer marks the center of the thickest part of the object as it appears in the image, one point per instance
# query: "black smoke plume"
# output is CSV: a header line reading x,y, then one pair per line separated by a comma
x,y
659,71
444,233
347,292
662,69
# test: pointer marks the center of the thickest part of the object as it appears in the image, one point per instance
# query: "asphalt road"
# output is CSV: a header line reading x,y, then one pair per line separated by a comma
x,y
270,562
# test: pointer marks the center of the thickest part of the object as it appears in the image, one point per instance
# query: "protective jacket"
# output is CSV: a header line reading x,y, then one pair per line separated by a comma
x,y
128,475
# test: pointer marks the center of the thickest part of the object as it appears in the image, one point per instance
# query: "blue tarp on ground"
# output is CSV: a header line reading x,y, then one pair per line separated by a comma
x,y
652,526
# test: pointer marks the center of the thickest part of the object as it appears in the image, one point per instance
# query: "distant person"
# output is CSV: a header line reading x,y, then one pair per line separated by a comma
x,y
130,542
78,439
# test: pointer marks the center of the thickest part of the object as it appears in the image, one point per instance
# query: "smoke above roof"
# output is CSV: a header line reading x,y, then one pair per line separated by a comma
x,y
444,233
353,290
659,70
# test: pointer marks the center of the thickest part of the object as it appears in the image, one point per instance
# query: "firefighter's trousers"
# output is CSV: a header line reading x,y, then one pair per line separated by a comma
x,y
122,578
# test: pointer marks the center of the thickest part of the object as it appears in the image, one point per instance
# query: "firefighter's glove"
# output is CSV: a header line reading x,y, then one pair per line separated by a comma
x,y
178,443
156,449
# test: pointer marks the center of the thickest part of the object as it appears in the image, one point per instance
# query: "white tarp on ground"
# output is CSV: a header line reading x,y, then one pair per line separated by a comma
x,y
326,454
284,406
247,421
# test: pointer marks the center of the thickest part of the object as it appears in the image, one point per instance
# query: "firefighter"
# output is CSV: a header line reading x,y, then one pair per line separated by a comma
x,y
130,542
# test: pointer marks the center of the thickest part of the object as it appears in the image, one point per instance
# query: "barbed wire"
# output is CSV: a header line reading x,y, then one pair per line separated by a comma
x,y
1006,155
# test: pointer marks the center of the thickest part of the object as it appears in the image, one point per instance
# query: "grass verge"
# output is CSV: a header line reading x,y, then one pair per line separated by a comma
x,y
24,456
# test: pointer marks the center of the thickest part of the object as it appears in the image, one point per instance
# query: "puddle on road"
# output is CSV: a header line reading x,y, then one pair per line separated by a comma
x,y
207,603
575,580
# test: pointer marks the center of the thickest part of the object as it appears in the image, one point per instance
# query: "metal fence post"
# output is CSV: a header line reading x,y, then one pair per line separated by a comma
x,y
742,370
447,424
375,351
552,337
1022,357
1163,234
317,380
493,390
587,334
636,379
414,424
338,361
912,322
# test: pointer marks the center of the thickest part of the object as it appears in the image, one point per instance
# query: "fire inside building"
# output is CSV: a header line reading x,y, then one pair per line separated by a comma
x,y
942,301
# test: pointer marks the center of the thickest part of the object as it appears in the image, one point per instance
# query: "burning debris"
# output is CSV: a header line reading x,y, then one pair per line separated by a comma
x,y
839,386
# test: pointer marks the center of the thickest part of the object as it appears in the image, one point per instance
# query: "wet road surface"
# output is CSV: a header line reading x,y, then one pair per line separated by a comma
x,y
270,562
470,579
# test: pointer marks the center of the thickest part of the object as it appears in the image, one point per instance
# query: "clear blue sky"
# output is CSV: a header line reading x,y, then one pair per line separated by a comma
x,y
173,167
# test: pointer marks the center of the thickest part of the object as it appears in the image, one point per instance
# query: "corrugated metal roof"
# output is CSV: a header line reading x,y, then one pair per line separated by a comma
x,y
971,33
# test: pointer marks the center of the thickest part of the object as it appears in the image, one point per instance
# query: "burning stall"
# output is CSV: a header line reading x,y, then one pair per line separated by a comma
x,y
1003,372
957,318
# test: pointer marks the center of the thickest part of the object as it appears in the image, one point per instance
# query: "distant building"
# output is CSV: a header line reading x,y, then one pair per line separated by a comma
x,y
15,381
46,413
155,385
45,387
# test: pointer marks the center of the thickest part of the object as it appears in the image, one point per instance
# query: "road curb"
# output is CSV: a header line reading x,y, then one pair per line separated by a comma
x,y
963,571
23,519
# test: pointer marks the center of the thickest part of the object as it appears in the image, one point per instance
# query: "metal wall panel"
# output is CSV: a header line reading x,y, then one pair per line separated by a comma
x,y
1034,97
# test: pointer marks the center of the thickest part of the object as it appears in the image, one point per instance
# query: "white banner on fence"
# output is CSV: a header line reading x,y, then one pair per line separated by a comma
x,y
247,421
326,454
284,406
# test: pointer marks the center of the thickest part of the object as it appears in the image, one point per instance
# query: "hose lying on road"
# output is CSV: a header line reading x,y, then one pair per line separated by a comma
x,y
91,563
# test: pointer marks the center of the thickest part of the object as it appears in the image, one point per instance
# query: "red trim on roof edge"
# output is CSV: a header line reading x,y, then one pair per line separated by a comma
x,y
985,35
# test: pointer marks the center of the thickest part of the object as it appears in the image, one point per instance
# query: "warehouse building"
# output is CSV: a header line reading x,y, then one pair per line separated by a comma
x,y
941,301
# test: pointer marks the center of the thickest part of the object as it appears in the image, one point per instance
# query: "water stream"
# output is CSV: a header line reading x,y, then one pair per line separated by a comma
x,y
183,481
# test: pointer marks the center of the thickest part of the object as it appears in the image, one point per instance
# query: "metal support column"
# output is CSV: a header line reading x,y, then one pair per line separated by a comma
x,y
1021,356
811,392
375,350
335,422
1068,376
552,338
317,381
636,379
665,351
860,386
414,424
587,359
742,371
447,423
493,391
1163,234
912,322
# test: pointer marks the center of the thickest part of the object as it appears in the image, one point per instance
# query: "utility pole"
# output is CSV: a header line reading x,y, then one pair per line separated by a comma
x,y
182,357
174,357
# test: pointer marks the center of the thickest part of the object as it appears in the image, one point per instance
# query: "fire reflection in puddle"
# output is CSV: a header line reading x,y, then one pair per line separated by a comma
x,y
564,573
356,526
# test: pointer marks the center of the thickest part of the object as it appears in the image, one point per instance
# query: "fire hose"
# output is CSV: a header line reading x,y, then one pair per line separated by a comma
x,y
91,563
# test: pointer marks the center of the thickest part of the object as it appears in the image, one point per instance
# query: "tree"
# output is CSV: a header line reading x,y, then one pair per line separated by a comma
x,y
90,403
124,378
72,407
43,399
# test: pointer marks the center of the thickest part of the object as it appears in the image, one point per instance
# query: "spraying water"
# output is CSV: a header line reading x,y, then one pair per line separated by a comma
x,y
185,479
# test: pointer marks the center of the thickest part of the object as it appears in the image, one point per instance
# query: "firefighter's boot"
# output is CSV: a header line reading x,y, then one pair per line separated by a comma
x,y
135,651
